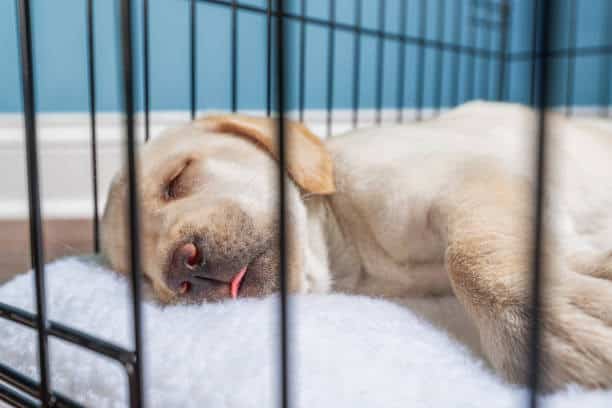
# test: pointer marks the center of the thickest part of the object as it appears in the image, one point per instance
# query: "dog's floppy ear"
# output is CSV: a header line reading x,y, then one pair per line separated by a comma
x,y
308,162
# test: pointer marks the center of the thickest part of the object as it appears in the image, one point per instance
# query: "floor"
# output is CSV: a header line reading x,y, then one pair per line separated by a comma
x,y
61,238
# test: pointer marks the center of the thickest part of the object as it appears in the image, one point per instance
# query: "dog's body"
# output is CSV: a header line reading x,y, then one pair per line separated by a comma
x,y
383,229
440,207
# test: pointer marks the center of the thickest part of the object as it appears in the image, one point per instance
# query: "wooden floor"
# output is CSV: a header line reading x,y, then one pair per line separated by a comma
x,y
61,238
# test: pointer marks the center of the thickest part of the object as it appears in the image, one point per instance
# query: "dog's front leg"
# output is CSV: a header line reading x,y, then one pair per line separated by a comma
x,y
486,223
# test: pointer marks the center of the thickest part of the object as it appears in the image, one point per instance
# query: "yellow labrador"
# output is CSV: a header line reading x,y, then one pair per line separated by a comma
x,y
439,207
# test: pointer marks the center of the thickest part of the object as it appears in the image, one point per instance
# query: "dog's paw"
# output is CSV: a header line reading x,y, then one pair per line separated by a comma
x,y
576,335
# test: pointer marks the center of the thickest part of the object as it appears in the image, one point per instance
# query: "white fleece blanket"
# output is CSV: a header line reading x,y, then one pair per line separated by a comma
x,y
346,351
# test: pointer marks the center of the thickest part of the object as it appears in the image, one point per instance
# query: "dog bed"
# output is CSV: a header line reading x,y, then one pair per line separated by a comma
x,y
346,351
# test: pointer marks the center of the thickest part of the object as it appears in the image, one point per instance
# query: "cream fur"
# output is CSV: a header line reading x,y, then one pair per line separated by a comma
x,y
439,207
452,197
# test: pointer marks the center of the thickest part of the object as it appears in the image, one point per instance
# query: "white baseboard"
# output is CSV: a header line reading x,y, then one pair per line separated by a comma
x,y
65,155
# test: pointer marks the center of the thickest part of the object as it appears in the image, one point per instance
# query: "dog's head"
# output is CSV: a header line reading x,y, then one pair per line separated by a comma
x,y
209,208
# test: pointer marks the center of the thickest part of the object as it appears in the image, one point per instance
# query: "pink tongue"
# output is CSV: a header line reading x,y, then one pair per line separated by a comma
x,y
236,281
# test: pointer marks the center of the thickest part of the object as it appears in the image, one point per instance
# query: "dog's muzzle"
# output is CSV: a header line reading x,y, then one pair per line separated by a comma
x,y
189,275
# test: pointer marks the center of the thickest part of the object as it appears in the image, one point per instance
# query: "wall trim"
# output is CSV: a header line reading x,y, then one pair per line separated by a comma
x,y
64,153
61,127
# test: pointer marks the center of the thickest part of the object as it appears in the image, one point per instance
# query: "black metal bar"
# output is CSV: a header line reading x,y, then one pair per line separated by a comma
x,y
456,58
380,57
571,58
91,70
134,370
145,65
420,64
269,59
357,63
31,387
401,63
534,53
538,261
340,26
582,51
282,213
507,41
193,81
15,399
330,66
36,232
19,381
607,68
470,82
135,386
68,334
439,56
486,61
503,47
302,65
92,343
234,61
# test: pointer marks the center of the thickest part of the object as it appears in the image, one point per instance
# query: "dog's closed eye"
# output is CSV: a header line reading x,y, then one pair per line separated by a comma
x,y
174,189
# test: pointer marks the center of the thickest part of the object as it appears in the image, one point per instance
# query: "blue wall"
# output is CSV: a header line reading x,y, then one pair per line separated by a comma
x,y
61,71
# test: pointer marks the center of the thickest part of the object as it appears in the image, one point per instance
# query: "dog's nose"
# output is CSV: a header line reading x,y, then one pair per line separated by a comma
x,y
194,273
186,261
188,255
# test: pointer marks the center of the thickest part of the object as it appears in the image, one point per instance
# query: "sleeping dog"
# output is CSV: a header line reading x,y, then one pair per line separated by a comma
x,y
426,209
